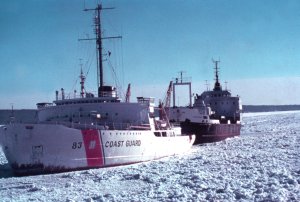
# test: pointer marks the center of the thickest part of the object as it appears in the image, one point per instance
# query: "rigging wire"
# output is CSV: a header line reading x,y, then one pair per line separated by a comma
x,y
89,62
113,68
114,74
122,63
75,65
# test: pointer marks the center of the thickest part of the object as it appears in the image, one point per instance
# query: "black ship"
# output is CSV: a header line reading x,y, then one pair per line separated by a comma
x,y
214,116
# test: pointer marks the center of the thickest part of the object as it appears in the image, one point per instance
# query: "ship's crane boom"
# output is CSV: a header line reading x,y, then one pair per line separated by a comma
x,y
128,93
165,105
167,100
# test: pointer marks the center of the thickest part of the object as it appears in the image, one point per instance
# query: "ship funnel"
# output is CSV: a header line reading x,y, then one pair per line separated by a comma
x,y
56,95
62,93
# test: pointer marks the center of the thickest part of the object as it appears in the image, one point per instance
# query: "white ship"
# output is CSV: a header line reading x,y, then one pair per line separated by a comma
x,y
89,131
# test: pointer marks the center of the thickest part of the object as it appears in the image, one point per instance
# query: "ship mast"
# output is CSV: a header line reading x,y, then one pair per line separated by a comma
x,y
98,39
218,86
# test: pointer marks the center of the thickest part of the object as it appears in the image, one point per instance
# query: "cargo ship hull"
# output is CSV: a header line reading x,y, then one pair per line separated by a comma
x,y
207,132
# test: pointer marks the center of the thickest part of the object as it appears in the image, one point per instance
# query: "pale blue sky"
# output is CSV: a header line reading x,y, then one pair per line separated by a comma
x,y
256,41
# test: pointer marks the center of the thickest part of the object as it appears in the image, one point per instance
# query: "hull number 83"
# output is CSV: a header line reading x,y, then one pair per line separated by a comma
x,y
77,145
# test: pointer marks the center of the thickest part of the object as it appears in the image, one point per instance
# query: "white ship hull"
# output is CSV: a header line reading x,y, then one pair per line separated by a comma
x,y
49,148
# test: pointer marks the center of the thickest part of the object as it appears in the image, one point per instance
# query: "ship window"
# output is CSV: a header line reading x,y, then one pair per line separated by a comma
x,y
116,114
164,134
106,114
233,103
215,103
157,134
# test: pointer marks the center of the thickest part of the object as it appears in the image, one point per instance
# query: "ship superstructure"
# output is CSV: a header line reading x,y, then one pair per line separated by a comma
x,y
214,116
226,108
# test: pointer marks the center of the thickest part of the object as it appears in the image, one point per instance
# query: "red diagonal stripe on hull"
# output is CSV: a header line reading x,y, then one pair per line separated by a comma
x,y
93,149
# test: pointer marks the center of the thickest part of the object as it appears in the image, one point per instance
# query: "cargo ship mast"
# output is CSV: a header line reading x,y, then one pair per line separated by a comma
x,y
218,86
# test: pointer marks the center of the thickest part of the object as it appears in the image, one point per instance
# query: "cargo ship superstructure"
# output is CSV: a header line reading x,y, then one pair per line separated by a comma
x,y
90,131
214,116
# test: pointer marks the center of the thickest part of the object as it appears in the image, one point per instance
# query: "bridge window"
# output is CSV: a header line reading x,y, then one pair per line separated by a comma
x,y
157,134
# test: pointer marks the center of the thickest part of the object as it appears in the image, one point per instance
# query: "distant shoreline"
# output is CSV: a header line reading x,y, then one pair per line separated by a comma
x,y
269,108
30,115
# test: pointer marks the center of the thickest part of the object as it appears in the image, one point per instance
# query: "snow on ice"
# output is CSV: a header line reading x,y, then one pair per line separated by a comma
x,y
263,164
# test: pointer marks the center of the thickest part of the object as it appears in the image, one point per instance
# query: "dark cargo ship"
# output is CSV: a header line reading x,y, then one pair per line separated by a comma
x,y
214,116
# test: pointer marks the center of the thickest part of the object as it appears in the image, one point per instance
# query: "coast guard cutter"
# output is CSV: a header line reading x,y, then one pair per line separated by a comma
x,y
90,131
